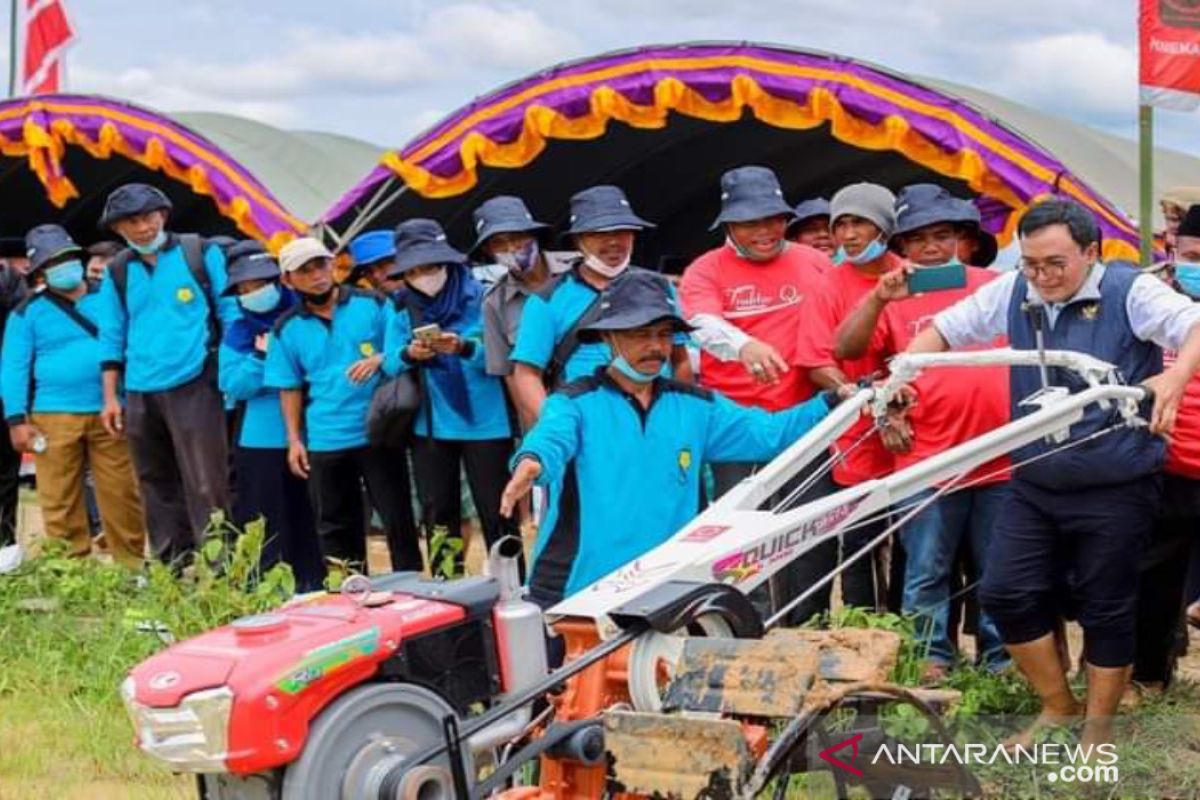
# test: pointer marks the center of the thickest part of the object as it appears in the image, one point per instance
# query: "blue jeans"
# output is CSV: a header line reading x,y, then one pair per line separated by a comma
x,y
932,539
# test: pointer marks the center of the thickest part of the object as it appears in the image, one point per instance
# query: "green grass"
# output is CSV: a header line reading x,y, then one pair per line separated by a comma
x,y
69,634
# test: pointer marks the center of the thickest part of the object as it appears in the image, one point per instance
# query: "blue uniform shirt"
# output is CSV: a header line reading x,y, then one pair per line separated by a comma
x,y
240,377
307,352
484,392
50,354
622,480
545,321
160,334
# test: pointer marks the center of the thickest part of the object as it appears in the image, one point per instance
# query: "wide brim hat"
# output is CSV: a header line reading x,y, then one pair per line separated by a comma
x,y
421,242
603,208
130,200
503,214
750,193
47,243
249,261
638,297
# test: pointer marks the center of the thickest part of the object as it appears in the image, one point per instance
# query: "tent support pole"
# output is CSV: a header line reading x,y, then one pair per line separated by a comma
x,y
1146,183
373,208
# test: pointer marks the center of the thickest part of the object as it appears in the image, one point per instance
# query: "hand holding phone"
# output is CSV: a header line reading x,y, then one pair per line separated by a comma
x,y
937,279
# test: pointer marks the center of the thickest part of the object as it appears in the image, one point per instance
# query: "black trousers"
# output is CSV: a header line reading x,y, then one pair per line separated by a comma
x,y
1161,632
438,464
266,488
177,439
1093,536
860,584
335,487
10,472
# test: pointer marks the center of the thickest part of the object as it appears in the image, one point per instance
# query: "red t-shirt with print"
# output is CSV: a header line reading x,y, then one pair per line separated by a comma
x,y
766,300
842,290
954,404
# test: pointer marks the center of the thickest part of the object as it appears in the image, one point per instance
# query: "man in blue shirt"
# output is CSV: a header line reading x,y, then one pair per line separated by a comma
x,y
50,379
324,358
548,353
620,451
265,487
1085,511
160,316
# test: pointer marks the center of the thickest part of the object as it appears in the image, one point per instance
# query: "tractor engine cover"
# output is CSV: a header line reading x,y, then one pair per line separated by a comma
x,y
283,668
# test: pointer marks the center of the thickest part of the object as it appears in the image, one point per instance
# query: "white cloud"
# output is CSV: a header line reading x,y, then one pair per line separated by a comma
x,y
1080,73
507,38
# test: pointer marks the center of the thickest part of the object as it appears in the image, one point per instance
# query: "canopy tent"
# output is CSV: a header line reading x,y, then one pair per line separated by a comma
x,y
60,156
664,121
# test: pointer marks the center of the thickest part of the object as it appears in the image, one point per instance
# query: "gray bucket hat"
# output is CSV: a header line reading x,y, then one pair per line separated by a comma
x,y
503,214
635,299
749,193
603,208
46,243
420,242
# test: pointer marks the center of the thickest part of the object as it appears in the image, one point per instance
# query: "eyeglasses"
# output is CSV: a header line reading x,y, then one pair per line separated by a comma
x,y
1051,269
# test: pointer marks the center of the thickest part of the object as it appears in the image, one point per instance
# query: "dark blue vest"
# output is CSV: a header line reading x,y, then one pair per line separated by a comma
x,y
1099,328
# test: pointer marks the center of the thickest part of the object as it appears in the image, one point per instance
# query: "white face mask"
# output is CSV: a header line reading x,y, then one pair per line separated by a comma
x,y
600,266
430,283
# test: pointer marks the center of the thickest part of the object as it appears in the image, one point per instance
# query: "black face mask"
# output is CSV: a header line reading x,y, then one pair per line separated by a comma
x,y
318,299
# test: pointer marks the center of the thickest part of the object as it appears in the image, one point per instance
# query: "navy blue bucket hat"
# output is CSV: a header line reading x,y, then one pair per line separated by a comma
x,y
749,193
45,243
130,200
635,299
249,261
921,204
420,242
603,208
503,214
815,207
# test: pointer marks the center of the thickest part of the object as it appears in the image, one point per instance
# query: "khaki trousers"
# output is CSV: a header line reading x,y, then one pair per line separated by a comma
x,y
73,441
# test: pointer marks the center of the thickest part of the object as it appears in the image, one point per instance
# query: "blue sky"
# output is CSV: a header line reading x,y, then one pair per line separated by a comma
x,y
383,70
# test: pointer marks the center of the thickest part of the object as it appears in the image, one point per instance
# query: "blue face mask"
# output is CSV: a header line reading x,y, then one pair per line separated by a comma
x,y
1187,275
261,300
65,276
629,371
149,249
869,253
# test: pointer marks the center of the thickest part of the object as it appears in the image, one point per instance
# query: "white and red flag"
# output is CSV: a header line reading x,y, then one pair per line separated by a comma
x,y
46,35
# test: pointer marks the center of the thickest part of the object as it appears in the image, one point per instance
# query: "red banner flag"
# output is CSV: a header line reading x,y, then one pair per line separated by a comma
x,y
1169,53
48,32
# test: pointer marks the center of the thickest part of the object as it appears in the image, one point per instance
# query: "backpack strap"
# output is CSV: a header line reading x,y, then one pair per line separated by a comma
x,y
569,343
67,307
118,273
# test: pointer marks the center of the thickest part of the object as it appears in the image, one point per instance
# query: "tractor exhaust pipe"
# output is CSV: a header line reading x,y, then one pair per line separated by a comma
x,y
520,640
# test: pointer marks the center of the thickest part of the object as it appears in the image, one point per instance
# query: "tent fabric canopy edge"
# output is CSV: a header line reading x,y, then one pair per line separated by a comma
x,y
41,128
864,106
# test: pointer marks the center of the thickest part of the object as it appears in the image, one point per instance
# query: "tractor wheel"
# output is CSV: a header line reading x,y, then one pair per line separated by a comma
x,y
357,740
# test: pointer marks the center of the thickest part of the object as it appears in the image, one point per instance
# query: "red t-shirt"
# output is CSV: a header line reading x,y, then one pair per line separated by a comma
x,y
954,404
766,300
1183,452
844,287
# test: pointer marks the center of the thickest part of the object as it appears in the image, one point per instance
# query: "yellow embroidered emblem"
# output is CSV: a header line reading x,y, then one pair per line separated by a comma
x,y
684,461
367,349
184,295
1090,311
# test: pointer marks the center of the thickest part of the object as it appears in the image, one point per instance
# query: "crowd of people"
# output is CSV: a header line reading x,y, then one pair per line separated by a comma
x,y
173,376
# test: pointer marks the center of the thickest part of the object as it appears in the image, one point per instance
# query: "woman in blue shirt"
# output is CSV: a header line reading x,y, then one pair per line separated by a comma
x,y
50,376
265,487
463,422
